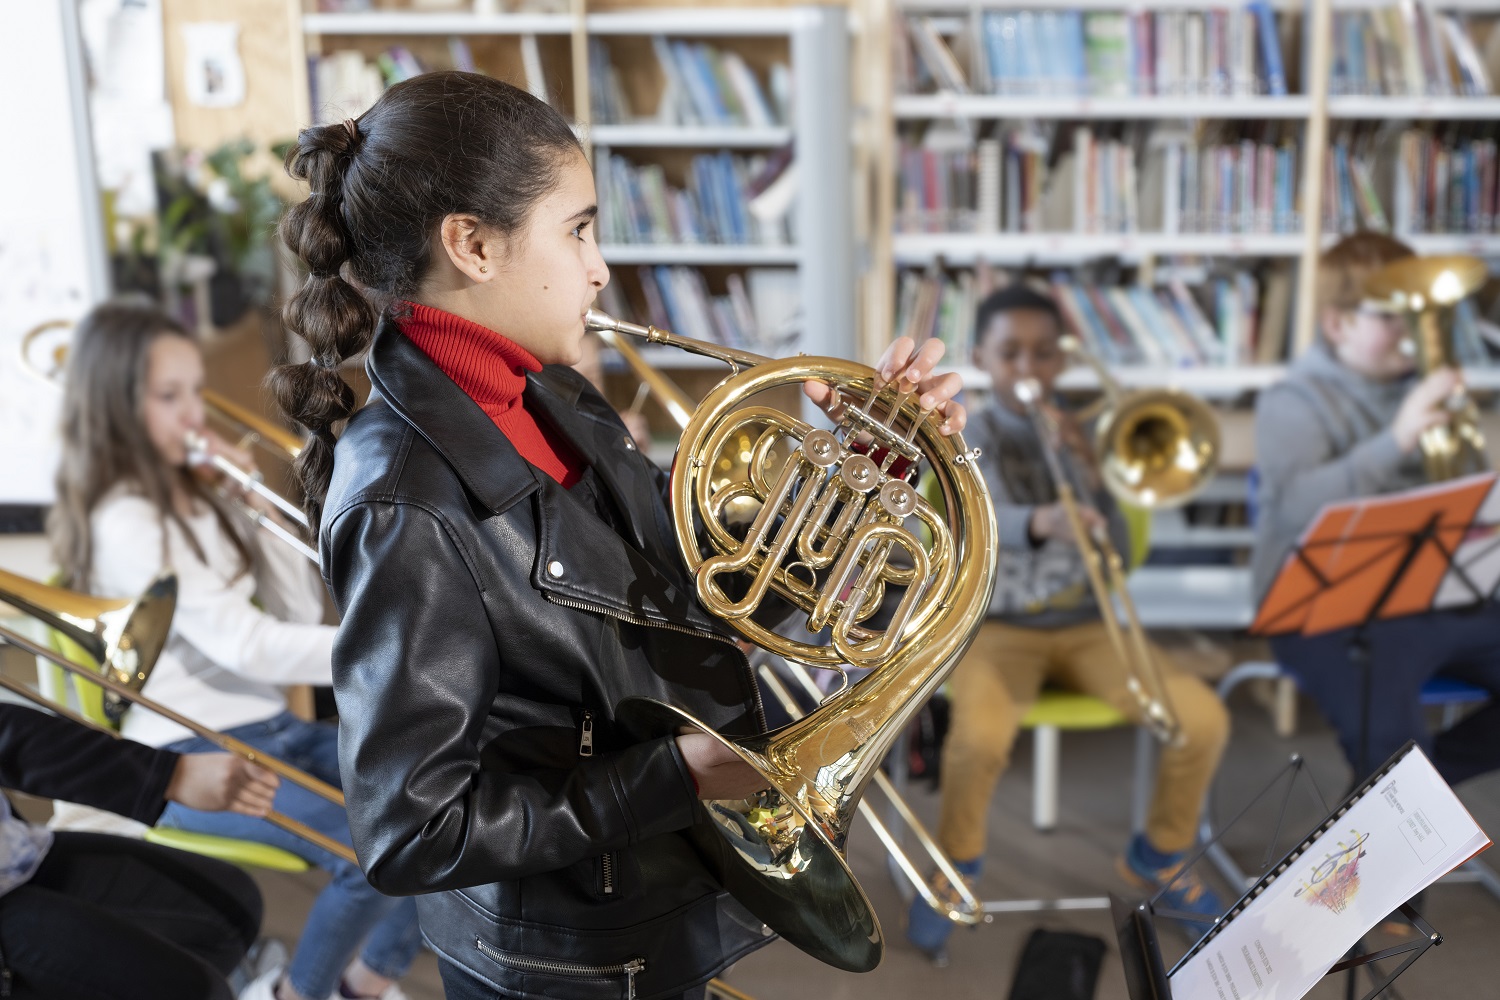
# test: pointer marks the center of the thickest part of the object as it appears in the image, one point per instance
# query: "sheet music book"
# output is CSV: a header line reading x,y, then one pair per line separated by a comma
x,y
1402,830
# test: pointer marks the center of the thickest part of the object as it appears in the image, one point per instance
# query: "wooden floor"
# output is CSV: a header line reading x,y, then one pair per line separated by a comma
x,y
1075,860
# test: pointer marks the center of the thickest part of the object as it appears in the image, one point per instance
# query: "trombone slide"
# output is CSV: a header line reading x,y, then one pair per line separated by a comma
x,y
225,743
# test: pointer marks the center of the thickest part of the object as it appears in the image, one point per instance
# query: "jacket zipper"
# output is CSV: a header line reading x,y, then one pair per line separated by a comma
x,y
586,735
760,709
628,969
607,870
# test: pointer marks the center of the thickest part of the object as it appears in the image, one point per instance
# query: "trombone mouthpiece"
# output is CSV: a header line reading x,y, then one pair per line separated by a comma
x,y
1028,391
597,320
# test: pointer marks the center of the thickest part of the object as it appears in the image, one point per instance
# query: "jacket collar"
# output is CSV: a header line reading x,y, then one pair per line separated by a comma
x,y
594,565
452,423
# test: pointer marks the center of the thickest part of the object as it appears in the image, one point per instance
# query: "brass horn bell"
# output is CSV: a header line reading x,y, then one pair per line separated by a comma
x,y
123,636
1426,290
830,519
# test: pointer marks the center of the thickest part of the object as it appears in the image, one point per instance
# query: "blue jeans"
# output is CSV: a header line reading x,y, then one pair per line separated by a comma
x,y
348,911
1404,653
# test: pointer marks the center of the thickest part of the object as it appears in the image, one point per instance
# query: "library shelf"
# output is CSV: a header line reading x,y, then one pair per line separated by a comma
x,y
702,254
1415,108
1205,380
702,23
690,136
986,106
966,248
395,22
964,6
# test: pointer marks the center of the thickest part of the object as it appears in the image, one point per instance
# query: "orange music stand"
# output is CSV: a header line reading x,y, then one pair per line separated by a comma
x,y
1388,556
1368,560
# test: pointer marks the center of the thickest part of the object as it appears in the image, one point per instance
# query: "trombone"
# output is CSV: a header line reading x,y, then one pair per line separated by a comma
x,y
969,910
46,361
128,636
1156,448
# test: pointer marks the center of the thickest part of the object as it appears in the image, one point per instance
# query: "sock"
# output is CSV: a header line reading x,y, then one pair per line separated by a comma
x,y
1143,850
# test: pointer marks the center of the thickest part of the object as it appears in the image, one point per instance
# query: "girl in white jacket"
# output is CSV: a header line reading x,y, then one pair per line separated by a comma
x,y
248,621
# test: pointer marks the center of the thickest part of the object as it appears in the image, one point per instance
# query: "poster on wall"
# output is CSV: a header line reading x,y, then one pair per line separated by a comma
x,y
213,74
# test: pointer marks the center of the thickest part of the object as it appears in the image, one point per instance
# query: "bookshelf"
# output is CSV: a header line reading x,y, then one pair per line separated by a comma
x,y
570,57
952,79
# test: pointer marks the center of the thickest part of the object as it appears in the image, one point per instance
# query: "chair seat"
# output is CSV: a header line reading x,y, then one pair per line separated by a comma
x,y
239,852
1071,710
1447,691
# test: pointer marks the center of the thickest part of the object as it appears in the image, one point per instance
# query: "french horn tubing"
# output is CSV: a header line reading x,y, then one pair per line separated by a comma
x,y
128,645
968,909
830,519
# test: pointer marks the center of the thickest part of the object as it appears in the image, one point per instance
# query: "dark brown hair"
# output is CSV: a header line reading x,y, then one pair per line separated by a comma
x,y
432,146
104,439
1344,267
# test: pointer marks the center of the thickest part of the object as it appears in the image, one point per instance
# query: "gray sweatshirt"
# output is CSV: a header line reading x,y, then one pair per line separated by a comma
x,y
1322,434
1036,586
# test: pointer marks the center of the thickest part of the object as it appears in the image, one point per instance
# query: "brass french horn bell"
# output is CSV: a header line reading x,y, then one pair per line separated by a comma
x,y
1425,290
830,518
123,636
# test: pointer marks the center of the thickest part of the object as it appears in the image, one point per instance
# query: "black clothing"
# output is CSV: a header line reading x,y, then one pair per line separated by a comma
x,y
110,918
490,621
55,758
105,917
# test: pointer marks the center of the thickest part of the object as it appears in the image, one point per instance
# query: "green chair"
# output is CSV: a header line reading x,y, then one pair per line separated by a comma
x,y
1057,711
90,699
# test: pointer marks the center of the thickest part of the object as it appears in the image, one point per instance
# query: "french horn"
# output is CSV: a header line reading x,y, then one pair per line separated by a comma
x,y
832,518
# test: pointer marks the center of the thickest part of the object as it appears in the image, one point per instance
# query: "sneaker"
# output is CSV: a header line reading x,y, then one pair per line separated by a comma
x,y
1186,895
926,928
391,992
263,956
263,987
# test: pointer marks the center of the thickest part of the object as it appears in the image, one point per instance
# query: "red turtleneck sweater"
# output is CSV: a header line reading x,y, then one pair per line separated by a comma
x,y
491,370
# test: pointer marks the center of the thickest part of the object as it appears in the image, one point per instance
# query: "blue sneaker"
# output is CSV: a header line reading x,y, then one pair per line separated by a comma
x,y
926,928
1148,870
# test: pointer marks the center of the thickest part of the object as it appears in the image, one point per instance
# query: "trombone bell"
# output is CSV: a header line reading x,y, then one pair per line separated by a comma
x,y
123,637
1158,448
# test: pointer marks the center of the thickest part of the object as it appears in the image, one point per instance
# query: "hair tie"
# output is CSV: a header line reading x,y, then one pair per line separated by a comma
x,y
353,129
323,362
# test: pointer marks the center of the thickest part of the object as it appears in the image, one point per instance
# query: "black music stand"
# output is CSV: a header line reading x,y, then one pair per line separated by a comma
x,y
1146,974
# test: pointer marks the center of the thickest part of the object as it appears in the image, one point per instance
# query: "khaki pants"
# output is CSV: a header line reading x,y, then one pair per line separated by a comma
x,y
998,680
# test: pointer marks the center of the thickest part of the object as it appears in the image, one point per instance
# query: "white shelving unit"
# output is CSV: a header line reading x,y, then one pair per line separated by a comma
x,y
1061,249
817,42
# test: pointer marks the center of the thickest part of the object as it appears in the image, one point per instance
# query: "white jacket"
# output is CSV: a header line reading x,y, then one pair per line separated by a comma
x,y
225,657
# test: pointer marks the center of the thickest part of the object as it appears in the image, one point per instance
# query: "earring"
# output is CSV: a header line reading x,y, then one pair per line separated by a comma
x,y
484,269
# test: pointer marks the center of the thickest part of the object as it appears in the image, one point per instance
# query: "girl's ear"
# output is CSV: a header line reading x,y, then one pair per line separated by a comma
x,y
471,248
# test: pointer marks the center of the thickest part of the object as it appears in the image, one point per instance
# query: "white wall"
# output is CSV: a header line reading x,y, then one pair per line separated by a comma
x,y
51,239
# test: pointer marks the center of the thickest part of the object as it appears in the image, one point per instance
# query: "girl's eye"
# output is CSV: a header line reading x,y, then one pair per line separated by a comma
x,y
577,232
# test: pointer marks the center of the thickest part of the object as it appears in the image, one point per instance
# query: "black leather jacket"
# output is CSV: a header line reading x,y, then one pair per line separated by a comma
x,y
491,624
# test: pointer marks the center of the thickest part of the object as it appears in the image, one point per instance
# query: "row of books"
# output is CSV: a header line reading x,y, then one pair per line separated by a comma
x,y
1139,178
1412,181
1408,49
1050,52
1234,317
638,204
345,83
702,85
759,310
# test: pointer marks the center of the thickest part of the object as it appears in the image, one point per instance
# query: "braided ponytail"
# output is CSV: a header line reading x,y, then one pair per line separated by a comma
x,y
435,145
328,312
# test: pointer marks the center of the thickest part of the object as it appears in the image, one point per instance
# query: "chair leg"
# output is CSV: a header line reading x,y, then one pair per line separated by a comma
x,y
1046,744
1145,779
